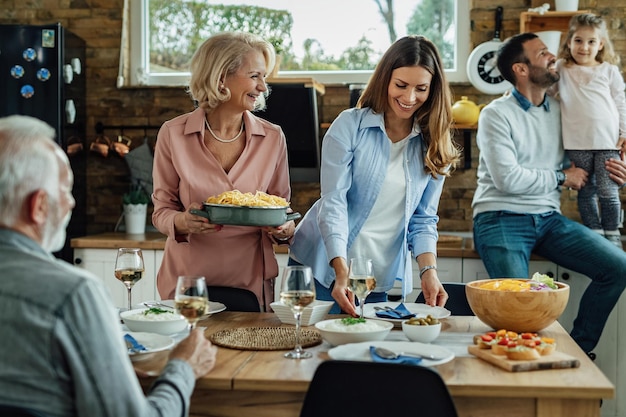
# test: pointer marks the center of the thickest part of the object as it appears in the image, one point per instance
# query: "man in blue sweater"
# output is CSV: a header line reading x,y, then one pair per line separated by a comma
x,y
520,175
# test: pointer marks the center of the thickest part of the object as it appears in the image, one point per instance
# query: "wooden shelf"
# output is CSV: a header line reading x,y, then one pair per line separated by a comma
x,y
535,22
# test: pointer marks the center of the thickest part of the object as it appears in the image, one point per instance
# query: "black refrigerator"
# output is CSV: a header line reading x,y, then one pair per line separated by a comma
x,y
42,75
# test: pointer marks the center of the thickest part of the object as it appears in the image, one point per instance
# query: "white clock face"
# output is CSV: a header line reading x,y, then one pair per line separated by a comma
x,y
488,70
483,72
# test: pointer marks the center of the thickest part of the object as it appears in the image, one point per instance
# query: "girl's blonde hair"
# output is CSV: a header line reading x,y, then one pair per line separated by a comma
x,y
220,55
606,54
434,117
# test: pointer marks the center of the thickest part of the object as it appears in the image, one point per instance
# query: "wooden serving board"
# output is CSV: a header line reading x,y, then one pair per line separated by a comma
x,y
555,360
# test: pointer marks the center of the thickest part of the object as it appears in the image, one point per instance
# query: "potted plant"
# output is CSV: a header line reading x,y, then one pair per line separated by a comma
x,y
135,204
278,47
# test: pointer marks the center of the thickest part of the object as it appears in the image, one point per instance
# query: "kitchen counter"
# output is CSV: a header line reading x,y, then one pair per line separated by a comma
x,y
450,246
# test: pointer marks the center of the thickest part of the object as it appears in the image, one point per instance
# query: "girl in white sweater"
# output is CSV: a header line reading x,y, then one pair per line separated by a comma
x,y
593,108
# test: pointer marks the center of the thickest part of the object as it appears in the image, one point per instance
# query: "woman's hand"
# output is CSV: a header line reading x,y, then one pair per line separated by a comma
x,y
341,293
434,294
185,222
282,232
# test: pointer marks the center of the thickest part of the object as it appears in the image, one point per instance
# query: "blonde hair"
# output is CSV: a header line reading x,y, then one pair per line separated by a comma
x,y
434,117
220,55
606,54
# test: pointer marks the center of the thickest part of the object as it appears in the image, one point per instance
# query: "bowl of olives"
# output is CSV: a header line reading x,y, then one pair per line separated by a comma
x,y
421,329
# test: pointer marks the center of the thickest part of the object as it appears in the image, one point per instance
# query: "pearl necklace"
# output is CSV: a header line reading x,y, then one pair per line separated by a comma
x,y
217,138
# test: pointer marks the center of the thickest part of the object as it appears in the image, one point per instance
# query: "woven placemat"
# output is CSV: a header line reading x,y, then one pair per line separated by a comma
x,y
264,338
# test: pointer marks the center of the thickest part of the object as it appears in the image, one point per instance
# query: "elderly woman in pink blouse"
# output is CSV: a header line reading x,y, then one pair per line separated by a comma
x,y
218,147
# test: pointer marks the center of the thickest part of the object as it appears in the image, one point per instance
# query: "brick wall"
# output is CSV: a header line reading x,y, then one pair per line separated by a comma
x,y
99,23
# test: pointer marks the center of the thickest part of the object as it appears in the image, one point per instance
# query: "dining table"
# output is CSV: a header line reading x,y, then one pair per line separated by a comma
x,y
263,383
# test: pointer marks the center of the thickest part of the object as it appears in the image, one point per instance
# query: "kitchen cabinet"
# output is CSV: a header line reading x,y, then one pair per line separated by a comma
x,y
101,263
448,270
611,349
474,269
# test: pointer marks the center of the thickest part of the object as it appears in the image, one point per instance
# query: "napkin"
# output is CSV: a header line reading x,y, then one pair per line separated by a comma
x,y
135,345
400,312
404,360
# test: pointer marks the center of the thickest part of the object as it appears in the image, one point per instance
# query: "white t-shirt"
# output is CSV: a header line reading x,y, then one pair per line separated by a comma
x,y
386,220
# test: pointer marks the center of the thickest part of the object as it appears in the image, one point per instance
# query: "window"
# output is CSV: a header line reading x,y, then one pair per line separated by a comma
x,y
335,42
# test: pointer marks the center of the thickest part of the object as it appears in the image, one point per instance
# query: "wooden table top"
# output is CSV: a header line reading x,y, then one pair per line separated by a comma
x,y
465,375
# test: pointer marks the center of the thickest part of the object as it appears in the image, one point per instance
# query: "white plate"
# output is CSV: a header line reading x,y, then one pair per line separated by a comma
x,y
420,310
361,351
214,306
153,343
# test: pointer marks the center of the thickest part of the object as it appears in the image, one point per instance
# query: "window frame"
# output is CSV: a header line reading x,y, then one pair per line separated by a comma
x,y
137,61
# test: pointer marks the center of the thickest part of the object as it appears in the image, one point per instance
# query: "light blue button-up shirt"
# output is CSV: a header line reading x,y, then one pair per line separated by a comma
x,y
355,154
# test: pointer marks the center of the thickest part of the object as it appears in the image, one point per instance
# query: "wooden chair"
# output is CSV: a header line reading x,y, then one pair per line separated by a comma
x,y
235,299
457,301
371,389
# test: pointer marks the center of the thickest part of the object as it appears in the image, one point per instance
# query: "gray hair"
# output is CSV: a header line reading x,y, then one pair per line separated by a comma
x,y
27,163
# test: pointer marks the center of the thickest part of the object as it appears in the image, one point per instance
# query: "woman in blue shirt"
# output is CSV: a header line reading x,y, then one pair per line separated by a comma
x,y
383,168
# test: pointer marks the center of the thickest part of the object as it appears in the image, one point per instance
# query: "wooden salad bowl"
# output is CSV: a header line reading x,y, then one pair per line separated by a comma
x,y
527,311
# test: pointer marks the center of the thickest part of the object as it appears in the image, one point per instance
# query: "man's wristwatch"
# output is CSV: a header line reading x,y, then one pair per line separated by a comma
x,y
560,177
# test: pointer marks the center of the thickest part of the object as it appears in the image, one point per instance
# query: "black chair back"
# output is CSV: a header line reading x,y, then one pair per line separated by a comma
x,y
370,389
235,299
13,411
457,301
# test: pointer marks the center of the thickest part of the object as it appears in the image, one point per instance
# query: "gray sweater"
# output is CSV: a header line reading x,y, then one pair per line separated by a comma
x,y
520,152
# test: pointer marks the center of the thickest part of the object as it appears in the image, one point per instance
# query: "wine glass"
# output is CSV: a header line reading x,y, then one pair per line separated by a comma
x,y
192,298
129,268
297,291
361,279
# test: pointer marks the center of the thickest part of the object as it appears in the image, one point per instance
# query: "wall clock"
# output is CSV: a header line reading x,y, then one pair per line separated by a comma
x,y
482,70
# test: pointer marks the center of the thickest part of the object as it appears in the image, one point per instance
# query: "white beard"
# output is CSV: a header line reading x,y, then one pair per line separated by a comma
x,y
54,232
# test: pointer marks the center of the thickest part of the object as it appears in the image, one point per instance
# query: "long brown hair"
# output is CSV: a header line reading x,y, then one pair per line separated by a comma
x,y
434,117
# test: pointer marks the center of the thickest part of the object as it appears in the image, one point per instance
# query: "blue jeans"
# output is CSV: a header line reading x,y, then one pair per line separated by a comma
x,y
323,293
505,241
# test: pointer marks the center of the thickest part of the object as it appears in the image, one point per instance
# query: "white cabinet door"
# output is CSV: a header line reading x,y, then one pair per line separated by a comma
x,y
610,354
101,262
448,270
282,259
474,269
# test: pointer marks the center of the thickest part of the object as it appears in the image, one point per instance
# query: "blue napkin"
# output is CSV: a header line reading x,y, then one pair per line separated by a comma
x,y
400,312
405,360
136,346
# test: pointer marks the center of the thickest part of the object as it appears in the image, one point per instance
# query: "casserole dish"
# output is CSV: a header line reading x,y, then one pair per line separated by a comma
x,y
245,216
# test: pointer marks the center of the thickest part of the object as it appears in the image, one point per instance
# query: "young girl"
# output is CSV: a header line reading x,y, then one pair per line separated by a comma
x,y
593,117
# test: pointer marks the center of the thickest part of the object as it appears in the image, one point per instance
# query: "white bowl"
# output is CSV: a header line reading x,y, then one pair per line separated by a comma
x,y
335,333
311,314
421,333
137,321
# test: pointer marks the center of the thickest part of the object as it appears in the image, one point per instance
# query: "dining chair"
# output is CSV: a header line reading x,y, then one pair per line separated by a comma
x,y
457,301
14,411
373,389
235,299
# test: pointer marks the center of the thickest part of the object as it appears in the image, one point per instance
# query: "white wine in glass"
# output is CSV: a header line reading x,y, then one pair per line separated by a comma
x,y
129,268
192,298
361,279
297,291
